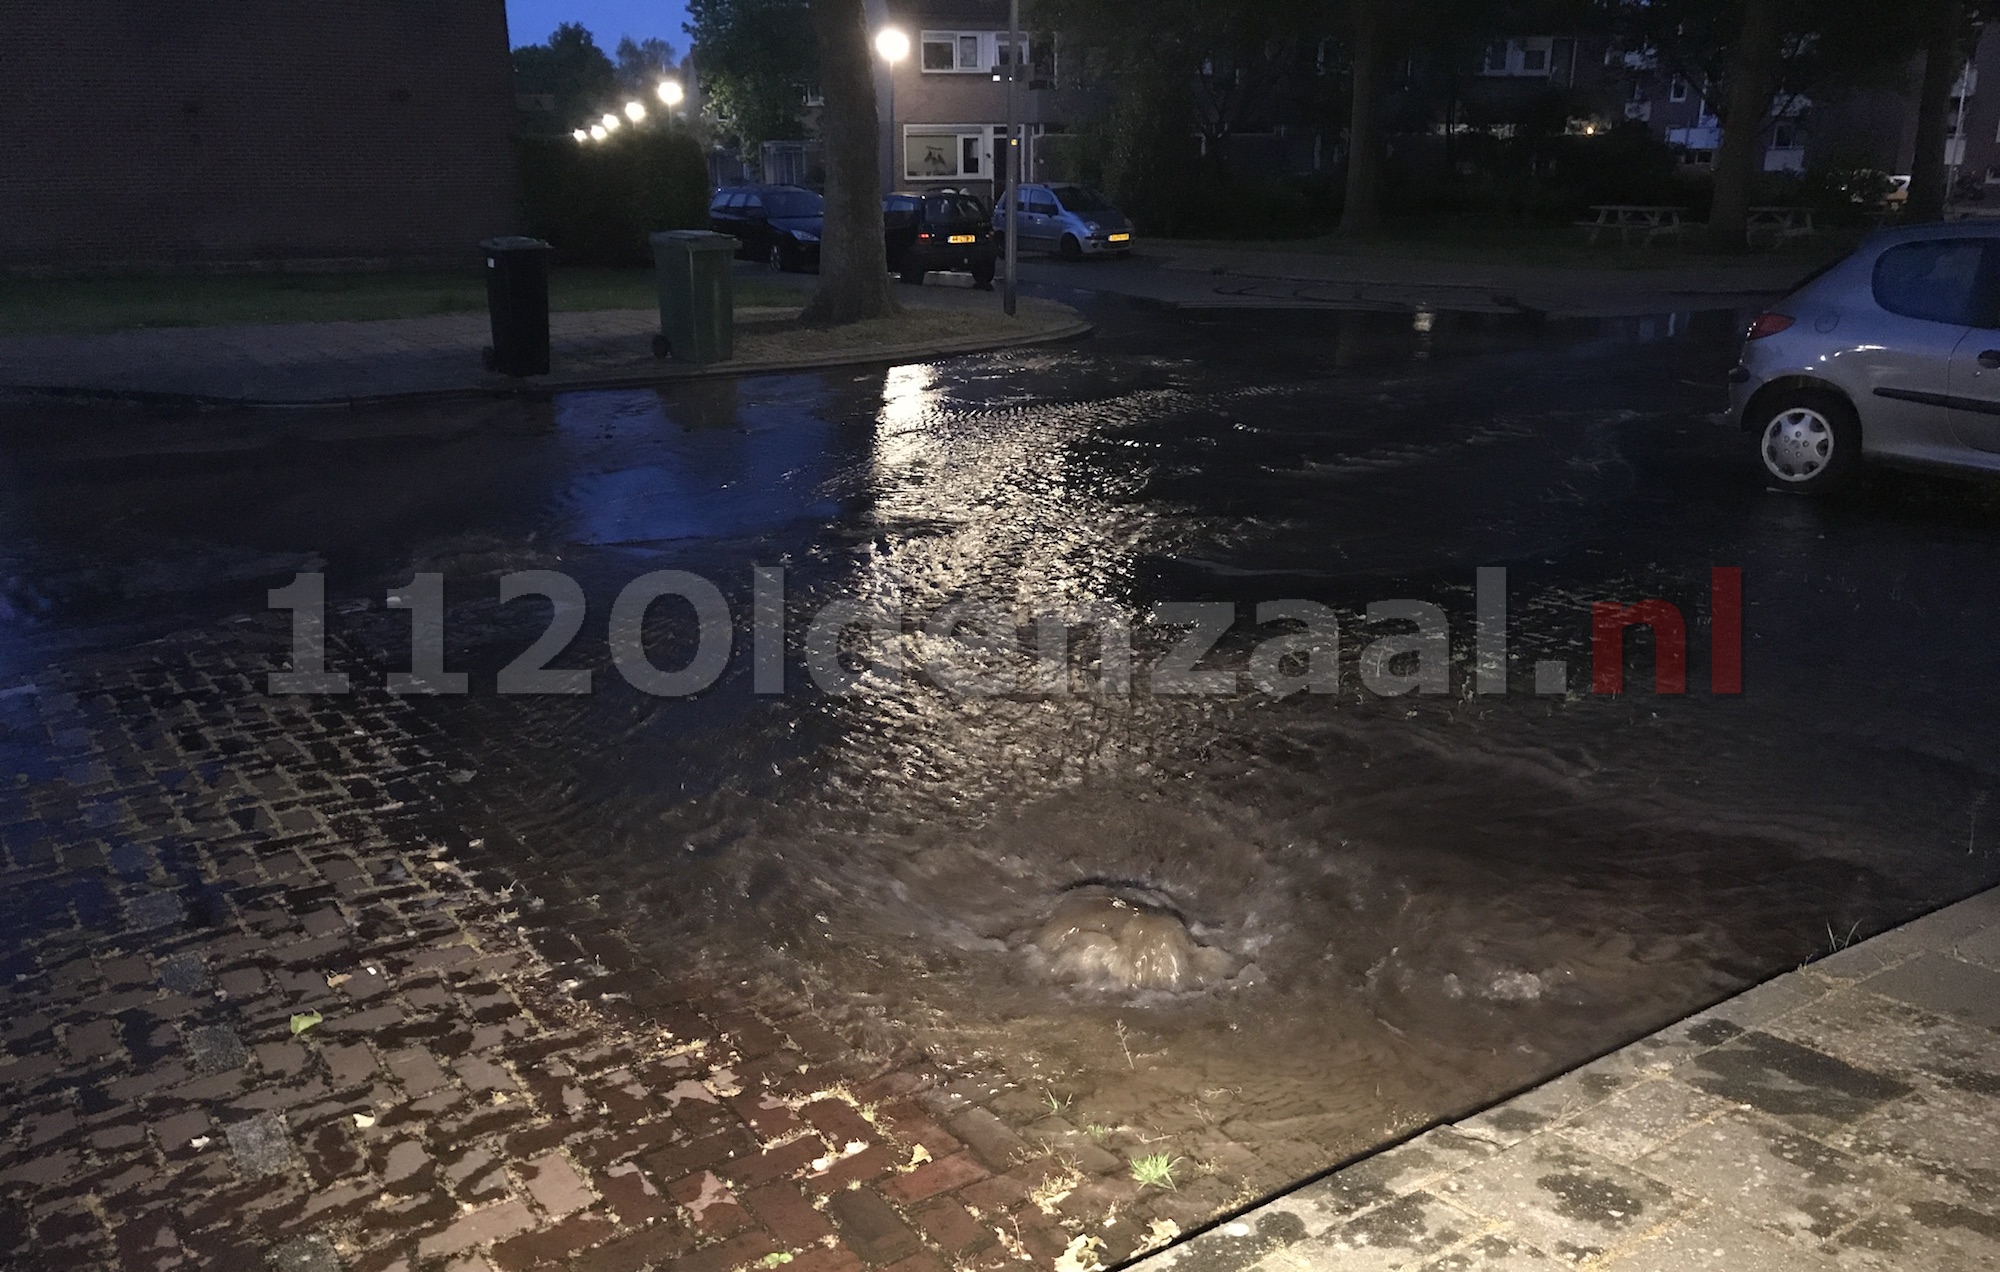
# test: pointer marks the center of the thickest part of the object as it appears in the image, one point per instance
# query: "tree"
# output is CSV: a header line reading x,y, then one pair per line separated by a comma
x,y
571,69
757,58
642,63
1943,56
1362,211
1755,67
853,265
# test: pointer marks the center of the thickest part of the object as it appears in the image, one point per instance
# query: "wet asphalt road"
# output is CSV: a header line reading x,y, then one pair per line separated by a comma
x,y
1425,900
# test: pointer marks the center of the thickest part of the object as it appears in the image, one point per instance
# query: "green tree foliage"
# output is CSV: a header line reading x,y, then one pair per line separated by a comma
x,y
595,203
757,58
570,68
642,64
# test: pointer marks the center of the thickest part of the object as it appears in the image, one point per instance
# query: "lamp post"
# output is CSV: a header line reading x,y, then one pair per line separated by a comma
x,y
1013,173
892,45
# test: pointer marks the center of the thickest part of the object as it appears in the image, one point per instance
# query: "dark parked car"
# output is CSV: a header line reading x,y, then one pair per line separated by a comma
x,y
938,230
778,224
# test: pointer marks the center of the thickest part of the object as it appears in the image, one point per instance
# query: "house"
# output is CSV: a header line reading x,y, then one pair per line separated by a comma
x,y
210,134
943,106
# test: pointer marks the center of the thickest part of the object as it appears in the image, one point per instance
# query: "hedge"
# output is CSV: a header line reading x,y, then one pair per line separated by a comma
x,y
595,202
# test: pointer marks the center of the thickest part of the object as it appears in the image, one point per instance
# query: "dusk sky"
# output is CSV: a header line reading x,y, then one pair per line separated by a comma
x,y
530,21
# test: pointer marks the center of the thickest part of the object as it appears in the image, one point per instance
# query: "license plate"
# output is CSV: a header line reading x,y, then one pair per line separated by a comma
x,y
1118,238
963,238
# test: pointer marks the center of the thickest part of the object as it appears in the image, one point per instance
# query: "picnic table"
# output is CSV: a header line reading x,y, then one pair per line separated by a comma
x,y
1648,220
1779,223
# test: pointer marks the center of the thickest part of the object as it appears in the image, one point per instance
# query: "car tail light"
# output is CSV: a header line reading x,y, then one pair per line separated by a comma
x,y
1767,324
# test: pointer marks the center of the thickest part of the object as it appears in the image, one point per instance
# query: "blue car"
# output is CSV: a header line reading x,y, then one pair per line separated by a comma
x,y
1072,221
778,224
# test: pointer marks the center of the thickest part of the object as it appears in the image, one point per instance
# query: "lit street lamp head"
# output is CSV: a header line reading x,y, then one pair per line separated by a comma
x,y
598,132
671,93
892,44
580,134
635,111
610,121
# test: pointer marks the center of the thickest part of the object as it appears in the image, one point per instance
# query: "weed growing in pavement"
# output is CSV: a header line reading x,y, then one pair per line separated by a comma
x,y
1155,1169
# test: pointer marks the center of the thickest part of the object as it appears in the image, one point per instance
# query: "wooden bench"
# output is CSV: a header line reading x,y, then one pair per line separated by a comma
x,y
1647,220
1778,224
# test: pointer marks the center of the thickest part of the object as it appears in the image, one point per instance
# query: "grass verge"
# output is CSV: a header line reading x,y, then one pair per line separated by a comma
x,y
1497,242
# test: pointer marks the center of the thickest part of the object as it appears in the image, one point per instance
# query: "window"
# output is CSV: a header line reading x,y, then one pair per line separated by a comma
x,y
794,203
1534,58
1678,90
1937,281
951,209
960,51
1496,58
933,152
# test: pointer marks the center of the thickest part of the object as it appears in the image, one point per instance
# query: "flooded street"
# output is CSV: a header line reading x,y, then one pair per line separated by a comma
x,y
1397,907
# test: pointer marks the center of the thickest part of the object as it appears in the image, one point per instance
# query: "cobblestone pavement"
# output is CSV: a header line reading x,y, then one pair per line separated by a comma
x,y
266,1008
338,362
1843,1116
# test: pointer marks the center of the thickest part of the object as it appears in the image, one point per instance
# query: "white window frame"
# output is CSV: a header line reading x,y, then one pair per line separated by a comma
x,y
1513,62
983,132
1677,89
986,52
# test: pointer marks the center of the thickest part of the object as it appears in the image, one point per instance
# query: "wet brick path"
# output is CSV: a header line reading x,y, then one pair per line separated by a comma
x,y
265,1009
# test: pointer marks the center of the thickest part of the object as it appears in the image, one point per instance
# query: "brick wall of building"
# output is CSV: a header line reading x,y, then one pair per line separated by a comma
x,y
224,132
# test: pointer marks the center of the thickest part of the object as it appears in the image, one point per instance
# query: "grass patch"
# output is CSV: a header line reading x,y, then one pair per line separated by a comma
x,y
1537,244
1154,1170
44,306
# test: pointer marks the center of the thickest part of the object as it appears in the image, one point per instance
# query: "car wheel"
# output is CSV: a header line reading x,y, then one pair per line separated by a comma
x,y
1808,442
1072,248
911,275
780,259
983,278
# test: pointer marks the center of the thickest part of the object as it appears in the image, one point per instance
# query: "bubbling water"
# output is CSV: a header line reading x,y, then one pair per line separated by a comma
x,y
1114,938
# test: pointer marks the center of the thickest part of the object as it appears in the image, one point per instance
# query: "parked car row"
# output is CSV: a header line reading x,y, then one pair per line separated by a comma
x,y
925,231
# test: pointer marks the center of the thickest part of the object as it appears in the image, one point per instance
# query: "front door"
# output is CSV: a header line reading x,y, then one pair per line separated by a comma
x,y
1975,364
1901,354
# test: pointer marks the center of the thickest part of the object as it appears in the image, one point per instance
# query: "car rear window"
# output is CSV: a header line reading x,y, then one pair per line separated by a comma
x,y
950,208
1938,280
793,203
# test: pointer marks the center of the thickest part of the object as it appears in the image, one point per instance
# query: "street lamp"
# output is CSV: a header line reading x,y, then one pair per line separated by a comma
x,y
635,111
598,132
671,94
580,134
893,45
610,121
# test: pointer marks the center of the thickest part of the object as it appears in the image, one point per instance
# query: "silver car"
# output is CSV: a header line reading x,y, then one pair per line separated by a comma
x,y
1891,355
1072,221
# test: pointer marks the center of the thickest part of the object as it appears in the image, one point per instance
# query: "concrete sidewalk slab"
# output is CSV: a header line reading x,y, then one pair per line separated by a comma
x,y
346,363
1842,1116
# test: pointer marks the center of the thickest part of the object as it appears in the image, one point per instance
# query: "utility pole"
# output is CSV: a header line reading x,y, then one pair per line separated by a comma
x,y
1013,173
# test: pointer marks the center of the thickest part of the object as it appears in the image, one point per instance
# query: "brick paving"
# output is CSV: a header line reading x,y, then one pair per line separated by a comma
x,y
266,1008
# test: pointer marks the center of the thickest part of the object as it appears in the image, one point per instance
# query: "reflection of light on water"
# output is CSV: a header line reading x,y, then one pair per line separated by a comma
x,y
908,395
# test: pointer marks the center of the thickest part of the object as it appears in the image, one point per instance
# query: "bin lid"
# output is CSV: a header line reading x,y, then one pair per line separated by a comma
x,y
513,243
694,240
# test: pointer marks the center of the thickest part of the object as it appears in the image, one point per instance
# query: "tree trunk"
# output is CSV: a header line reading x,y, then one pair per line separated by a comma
x,y
1361,213
1928,170
1753,79
853,268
